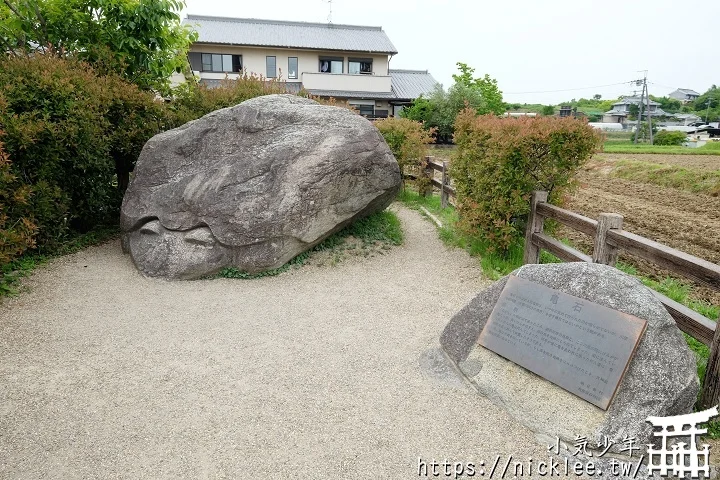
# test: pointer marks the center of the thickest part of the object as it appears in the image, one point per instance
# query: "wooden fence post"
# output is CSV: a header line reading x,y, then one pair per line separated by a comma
x,y
602,252
443,192
710,395
428,172
535,224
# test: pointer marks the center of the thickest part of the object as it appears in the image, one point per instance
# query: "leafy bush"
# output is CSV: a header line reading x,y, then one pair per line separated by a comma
x,y
193,100
407,140
17,226
665,137
72,136
499,162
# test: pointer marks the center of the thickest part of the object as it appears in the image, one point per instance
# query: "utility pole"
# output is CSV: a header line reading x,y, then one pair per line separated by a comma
x,y
640,109
645,95
649,111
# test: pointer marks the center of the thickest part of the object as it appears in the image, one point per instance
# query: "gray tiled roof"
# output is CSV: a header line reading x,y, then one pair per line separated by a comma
x,y
634,101
274,33
687,91
410,84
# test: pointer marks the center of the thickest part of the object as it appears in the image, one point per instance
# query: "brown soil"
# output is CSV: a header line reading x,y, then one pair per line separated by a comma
x,y
691,162
683,220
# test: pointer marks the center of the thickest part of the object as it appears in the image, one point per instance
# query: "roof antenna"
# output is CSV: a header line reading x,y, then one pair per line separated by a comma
x,y
329,17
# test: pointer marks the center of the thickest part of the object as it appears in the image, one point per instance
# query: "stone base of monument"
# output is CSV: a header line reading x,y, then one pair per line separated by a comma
x,y
660,379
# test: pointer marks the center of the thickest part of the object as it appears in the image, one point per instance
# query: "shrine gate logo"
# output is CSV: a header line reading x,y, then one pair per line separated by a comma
x,y
682,458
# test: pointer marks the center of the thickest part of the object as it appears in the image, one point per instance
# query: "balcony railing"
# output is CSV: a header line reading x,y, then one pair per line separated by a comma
x,y
346,82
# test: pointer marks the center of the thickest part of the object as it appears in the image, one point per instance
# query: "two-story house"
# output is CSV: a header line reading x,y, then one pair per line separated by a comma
x,y
346,62
685,95
621,110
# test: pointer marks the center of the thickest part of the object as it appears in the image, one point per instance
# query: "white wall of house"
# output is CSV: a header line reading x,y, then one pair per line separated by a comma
x,y
254,61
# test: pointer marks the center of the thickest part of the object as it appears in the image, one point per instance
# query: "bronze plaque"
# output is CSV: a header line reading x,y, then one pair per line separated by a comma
x,y
578,345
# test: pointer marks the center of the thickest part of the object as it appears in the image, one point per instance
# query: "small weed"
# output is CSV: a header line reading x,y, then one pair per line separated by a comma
x,y
379,231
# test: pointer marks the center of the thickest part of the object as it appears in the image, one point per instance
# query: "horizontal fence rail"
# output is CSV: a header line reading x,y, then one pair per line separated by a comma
x,y
609,238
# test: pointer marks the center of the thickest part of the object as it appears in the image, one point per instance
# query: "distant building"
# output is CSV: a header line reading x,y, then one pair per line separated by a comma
x,y
346,62
621,110
685,95
566,111
687,118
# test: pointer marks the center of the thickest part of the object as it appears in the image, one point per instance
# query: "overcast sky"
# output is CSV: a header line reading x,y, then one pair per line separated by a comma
x,y
529,45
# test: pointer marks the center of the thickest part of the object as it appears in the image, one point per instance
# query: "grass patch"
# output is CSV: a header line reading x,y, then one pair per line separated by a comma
x,y
11,273
377,232
706,182
629,147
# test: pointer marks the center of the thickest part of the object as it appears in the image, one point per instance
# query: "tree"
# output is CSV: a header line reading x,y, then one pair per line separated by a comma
x,y
141,40
548,110
597,96
668,104
486,86
438,111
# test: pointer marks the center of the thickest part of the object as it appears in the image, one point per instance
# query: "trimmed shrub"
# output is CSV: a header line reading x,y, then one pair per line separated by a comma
x,y
73,136
665,137
17,225
408,141
499,162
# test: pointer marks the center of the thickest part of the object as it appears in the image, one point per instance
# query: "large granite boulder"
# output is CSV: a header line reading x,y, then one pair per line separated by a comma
x,y
661,379
252,186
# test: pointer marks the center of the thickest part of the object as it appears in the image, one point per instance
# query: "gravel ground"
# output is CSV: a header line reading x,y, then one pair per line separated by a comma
x,y
321,372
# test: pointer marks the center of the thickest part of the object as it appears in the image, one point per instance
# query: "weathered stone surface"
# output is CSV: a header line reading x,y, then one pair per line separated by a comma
x,y
661,379
252,186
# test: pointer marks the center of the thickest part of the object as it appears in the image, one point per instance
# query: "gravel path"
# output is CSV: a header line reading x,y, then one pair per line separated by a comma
x,y
322,372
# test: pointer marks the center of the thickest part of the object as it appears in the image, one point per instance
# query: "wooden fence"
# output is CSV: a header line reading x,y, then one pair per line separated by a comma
x,y
609,239
446,190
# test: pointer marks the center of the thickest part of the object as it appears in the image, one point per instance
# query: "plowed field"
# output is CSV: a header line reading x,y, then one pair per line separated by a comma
x,y
687,221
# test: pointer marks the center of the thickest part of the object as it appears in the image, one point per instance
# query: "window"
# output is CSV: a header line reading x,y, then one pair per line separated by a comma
x,y
331,64
360,66
215,62
292,67
366,110
271,67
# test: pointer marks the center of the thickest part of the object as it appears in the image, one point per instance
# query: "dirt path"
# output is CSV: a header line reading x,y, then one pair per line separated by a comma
x,y
315,373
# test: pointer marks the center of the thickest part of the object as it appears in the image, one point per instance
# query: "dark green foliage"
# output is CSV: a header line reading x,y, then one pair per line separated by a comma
x,y
668,104
140,40
665,137
548,110
438,111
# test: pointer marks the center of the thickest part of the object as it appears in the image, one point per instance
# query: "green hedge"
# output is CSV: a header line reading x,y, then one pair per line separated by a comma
x,y
499,162
70,137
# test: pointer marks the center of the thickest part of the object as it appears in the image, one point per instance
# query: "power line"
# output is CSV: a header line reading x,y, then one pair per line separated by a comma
x,y
569,89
